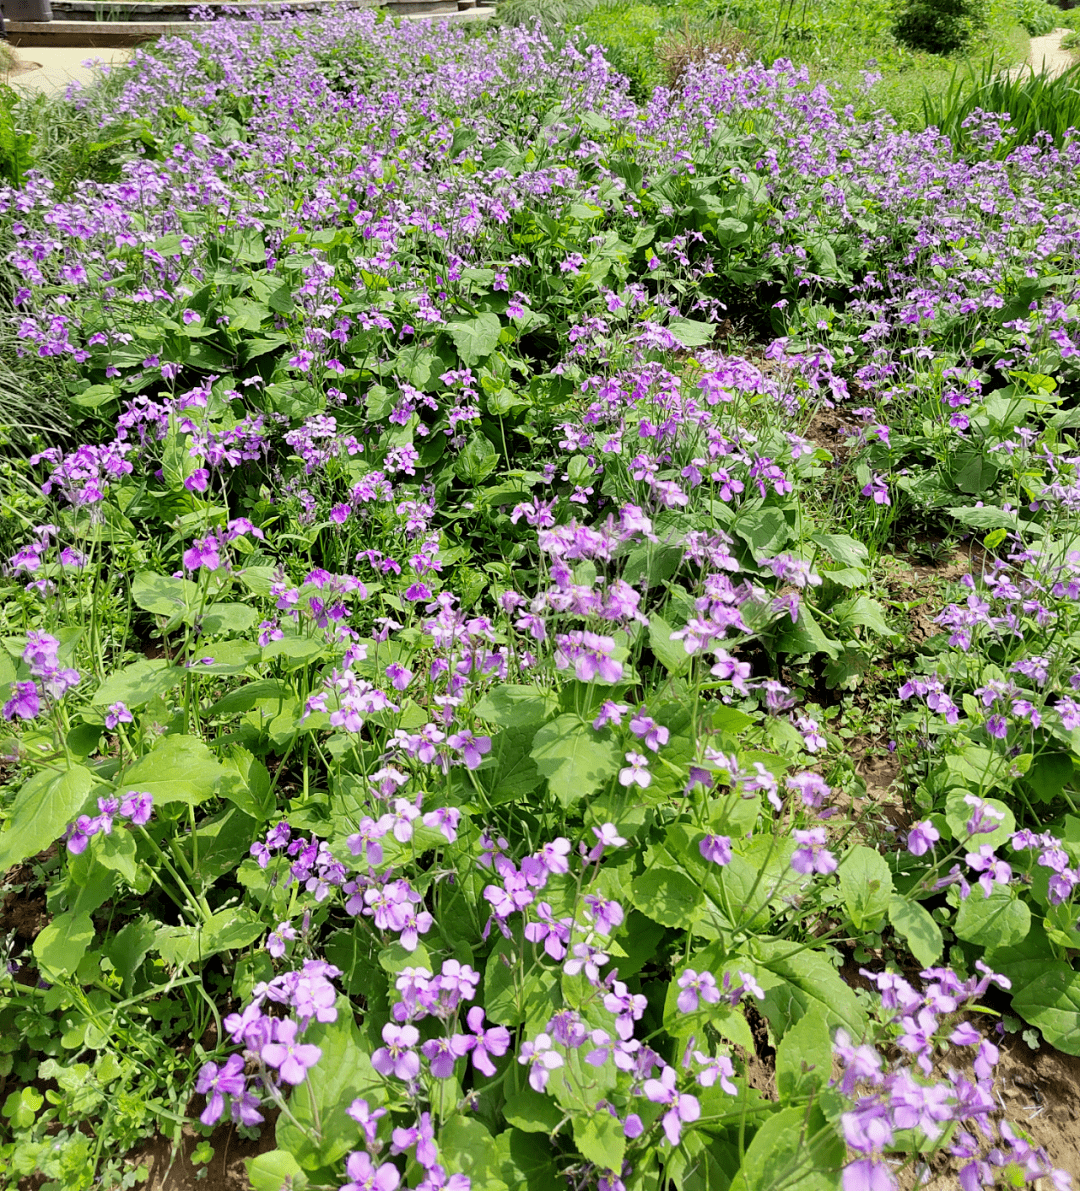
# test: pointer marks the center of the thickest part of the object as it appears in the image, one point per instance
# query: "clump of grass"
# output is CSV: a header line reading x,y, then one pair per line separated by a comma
x,y
719,42
1034,103
8,59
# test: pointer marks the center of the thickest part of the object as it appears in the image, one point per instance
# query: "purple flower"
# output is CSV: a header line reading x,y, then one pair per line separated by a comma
x,y
218,1082
117,714
541,1060
443,1053
399,676
397,1057
922,837
365,1176
716,849
627,1007
605,915
367,1118
494,1041
648,730
25,702
291,1058
868,1174
137,806
866,1127
812,856
994,871
473,748
637,772
203,553
422,1136
682,1107
716,1070
695,986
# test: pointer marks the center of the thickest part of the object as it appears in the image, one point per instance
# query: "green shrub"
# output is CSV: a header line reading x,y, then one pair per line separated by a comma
x,y
629,33
15,144
940,26
1037,16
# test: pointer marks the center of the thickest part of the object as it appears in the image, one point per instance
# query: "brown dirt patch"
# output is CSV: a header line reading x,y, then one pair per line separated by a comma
x,y
833,429
173,1170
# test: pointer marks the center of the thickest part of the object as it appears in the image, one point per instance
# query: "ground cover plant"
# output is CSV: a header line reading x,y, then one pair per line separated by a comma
x,y
431,652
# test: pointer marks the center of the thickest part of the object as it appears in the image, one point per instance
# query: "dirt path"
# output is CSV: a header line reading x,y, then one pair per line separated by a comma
x,y
1046,52
52,68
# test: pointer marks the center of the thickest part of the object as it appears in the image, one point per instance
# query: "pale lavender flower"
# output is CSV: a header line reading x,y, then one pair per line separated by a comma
x,y
541,1060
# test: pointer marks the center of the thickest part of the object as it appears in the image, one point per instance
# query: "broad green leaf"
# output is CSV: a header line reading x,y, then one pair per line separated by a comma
x,y
512,706
227,930
866,887
764,530
805,636
511,999
475,338
843,549
1052,1003
691,332
276,1170
532,1112
918,928
130,946
1000,920
809,982
671,654
794,1149
180,769
164,595
862,611
137,684
227,617
667,896
574,758
804,1058
62,944
600,1138
477,460
467,1148
116,851
42,809
267,693
342,1073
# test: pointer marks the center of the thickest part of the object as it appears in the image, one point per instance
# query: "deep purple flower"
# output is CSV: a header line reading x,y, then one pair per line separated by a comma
x,y
682,1107
695,986
138,807
218,1082
25,702
443,1053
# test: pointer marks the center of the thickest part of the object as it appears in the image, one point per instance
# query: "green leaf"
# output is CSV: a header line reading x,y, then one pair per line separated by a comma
x,y
475,338
342,1073
574,758
842,549
512,706
958,812
671,654
227,930
805,636
804,1058
866,887
600,1138
922,933
1000,920
469,1149
690,332
130,946
164,595
810,982
137,684
227,617
532,1112
477,460
667,896
513,1000
42,809
764,530
1048,775
180,769
796,1150
863,611
1052,1003
116,851
62,944
275,1171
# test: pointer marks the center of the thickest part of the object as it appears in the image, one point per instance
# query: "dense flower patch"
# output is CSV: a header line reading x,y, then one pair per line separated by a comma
x,y
424,658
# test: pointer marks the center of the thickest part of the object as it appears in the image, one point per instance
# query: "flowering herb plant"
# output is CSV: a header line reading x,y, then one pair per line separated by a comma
x,y
401,662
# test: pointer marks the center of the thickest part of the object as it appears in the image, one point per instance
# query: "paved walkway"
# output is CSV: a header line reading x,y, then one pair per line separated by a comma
x,y
1046,53
55,67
